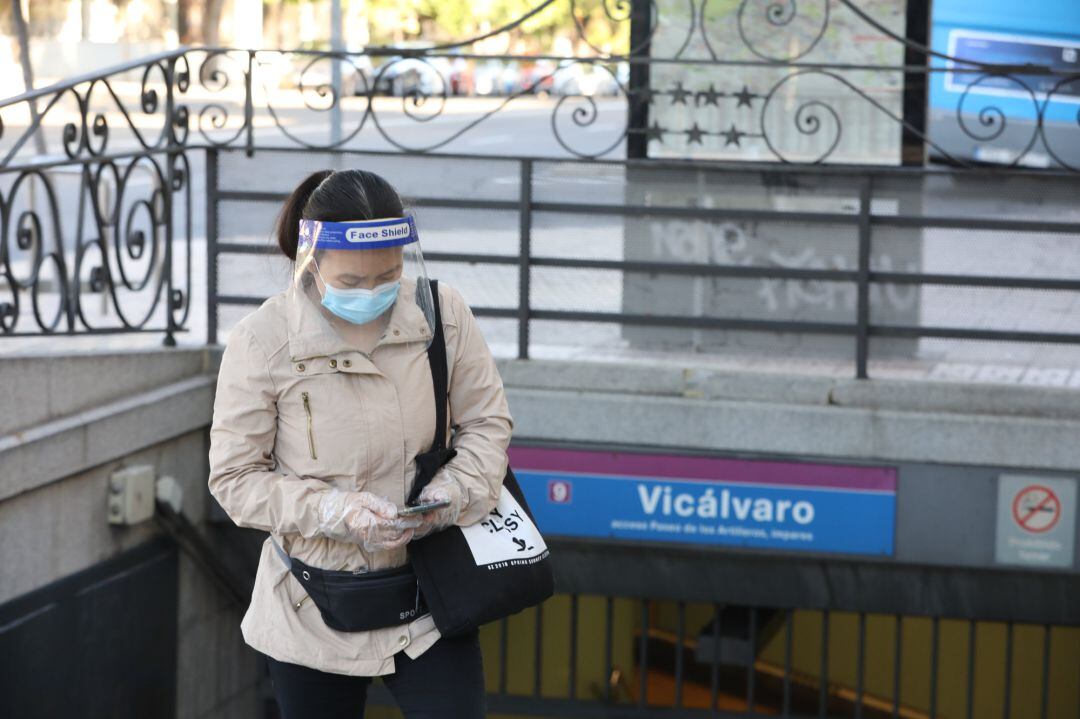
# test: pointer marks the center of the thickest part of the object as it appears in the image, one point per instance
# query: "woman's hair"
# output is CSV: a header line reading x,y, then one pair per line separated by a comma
x,y
335,196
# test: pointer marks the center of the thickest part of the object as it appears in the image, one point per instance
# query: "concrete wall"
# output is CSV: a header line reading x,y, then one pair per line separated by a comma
x,y
681,405
77,420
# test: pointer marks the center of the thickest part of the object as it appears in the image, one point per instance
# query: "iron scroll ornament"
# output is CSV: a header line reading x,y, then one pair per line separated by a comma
x,y
165,82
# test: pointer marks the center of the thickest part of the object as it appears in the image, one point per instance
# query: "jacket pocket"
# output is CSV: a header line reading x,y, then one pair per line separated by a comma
x,y
310,425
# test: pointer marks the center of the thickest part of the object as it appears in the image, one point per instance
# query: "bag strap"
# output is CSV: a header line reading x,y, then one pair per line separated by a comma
x,y
437,359
428,463
281,553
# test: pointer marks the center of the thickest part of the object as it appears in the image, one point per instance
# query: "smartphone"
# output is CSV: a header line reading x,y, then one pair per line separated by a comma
x,y
421,508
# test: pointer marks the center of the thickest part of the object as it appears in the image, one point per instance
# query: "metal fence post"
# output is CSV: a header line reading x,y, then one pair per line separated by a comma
x,y
862,306
167,203
524,257
249,105
211,245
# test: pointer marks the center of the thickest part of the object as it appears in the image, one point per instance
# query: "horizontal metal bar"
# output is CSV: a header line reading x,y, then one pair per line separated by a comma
x,y
715,213
471,258
443,202
95,331
251,195
1003,224
966,334
99,75
463,204
237,248
1005,282
715,323
509,313
771,169
688,268
240,300
53,161
958,65
503,312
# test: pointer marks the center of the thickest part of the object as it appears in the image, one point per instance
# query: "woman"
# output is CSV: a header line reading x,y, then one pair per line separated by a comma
x,y
324,398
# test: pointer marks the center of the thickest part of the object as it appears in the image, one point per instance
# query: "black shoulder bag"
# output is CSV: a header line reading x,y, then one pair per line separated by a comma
x,y
498,566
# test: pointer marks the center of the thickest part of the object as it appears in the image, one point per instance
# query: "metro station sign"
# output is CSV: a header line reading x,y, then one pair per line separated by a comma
x,y
768,504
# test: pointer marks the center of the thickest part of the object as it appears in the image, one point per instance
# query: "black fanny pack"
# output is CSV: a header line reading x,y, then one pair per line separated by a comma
x,y
358,601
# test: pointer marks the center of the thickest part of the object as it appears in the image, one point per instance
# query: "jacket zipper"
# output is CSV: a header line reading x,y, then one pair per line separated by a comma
x,y
310,430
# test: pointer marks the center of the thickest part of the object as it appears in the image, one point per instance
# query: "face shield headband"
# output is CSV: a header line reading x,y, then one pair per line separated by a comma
x,y
316,236
357,234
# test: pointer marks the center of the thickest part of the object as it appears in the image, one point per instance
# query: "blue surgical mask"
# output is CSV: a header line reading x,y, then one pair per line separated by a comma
x,y
359,305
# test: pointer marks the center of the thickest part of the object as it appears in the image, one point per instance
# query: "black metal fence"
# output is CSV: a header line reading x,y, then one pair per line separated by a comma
x,y
588,656
99,174
863,212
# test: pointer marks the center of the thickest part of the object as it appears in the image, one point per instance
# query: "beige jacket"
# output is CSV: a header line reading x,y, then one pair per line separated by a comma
x,y
297,412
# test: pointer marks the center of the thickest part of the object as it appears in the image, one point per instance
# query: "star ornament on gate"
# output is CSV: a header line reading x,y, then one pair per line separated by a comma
x,y
731,137
745,97
646,96
710,96
694,134
654,132
679,94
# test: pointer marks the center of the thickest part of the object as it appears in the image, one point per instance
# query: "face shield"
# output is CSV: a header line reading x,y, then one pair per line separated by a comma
x,y
362,271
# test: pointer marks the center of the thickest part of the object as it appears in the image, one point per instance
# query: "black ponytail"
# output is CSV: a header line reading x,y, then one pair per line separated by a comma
x,y
335,197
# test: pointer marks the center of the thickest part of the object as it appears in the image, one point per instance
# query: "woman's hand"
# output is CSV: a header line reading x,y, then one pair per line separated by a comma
x,y
440,489
365,519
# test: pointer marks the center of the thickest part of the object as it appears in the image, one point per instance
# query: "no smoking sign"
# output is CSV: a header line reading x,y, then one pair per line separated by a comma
x,y
1036,520
1036,508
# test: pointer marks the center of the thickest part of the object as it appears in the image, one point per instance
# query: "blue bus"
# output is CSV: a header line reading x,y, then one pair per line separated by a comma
x,y
973,115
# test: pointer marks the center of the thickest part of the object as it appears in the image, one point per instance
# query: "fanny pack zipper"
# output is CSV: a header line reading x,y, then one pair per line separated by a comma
x,y
310,430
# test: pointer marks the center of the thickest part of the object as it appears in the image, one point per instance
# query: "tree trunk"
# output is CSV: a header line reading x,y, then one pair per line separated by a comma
x,y
272,22
23,34
211,24
185,28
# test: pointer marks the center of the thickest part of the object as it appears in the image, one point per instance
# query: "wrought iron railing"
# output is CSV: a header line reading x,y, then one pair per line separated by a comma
x,y
97,236
870,278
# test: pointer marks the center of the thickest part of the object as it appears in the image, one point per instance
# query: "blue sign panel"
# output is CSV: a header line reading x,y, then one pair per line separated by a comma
x,y
793,506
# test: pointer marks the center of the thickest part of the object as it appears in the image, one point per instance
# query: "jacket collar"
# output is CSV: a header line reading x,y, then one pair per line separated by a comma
x,y
311,334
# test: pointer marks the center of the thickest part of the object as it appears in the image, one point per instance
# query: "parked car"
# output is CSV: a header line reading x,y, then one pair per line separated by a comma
x,y
608,83
510,78
486,78
400,76
356,74
461,76
575,78
537,78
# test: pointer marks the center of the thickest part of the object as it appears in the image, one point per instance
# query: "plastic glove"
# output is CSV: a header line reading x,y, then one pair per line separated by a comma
x,y
441,488
365,519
